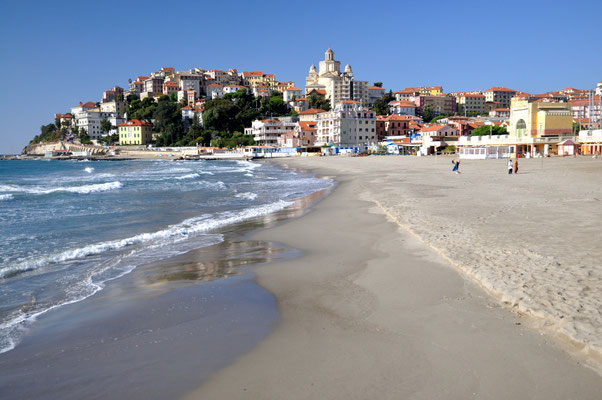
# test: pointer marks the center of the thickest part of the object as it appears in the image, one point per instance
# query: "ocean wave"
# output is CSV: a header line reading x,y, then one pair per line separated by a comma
x,y
246,195
89,169
4,197
83,189
179,231
187,176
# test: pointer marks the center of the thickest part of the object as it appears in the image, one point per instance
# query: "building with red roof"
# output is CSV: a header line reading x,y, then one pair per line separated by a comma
x,y
135,132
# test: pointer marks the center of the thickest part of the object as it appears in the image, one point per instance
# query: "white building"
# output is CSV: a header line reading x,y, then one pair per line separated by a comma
x,y
89,121
349,124
267,132
190,81
190,114
338,86
232,89
116,107
402,108
214,91
374,93
291,93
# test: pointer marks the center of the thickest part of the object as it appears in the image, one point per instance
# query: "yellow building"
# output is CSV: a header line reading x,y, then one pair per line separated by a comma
x,y
537,119
135,132
535,128
426,90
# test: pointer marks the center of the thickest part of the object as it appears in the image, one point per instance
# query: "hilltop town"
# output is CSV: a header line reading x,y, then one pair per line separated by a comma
x,y
206,110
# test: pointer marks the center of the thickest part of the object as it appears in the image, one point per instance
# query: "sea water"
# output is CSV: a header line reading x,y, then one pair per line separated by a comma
x,y
68,227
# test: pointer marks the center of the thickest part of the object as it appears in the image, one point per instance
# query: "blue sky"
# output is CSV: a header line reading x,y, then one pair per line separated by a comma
x,y
55,54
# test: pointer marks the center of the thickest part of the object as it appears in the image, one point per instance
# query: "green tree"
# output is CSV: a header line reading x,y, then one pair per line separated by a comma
x,y
315,101
381,106
427,113
485,130
105,125
378,84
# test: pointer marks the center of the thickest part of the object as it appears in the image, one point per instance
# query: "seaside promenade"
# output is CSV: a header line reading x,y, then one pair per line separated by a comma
x,y
419,283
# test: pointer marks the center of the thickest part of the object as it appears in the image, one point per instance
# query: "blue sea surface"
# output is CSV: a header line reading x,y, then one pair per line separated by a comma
x,y
68,227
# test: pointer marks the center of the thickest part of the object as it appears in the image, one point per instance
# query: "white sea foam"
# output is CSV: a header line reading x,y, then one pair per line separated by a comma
x,y
89,169
205,173
83,189
187,176
173,237
181,231
4,197
246,195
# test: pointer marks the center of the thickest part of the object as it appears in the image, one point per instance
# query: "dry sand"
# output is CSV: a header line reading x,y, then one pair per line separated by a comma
x,y
384,302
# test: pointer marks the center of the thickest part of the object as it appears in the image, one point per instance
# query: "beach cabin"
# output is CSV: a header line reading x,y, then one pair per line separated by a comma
x,y
568,148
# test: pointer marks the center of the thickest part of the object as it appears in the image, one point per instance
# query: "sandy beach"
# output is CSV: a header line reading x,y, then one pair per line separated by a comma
x,y
419,283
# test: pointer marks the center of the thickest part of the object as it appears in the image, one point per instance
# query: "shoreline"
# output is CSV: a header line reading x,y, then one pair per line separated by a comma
x,y
161,319
387,317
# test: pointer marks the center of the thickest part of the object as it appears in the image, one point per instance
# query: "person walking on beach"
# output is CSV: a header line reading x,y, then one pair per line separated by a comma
x,y
516,166
456,167
510,166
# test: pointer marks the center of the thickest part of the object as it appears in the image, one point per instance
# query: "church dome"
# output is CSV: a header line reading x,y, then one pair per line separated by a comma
x,y
348,68
312,69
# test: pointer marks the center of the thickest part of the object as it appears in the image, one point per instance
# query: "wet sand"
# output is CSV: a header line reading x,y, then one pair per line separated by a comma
x,y
158,331
384,303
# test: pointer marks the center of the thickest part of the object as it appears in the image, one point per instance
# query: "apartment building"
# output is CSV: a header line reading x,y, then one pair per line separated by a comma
x,y
500,95
470,103
135,132
267,132
349,124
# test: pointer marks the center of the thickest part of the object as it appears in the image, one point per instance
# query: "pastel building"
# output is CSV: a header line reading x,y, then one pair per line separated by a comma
x,y
532,118
267,132
291,93
500,95
471,103
402,108
375,93
135,132
339,86
349,124
440,104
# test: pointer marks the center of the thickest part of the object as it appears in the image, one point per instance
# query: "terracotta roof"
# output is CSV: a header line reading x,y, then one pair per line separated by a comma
x,y
319,91
434,128
471,95
89,104
376,88
350,102
135,122
142,78
292,88
214,85
308,125
312,111
502,109
499,89
170,83
252,73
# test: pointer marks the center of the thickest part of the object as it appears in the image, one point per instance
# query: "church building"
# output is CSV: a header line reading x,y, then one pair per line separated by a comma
x,y
338,86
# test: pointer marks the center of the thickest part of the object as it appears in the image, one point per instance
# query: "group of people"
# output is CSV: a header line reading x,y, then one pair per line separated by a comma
x,y
512,166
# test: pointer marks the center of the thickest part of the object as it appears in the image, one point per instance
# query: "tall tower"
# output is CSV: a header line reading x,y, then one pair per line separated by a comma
x,y
329,66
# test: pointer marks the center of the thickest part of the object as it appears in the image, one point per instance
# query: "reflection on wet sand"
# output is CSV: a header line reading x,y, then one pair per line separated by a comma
x,y
219,261
227,258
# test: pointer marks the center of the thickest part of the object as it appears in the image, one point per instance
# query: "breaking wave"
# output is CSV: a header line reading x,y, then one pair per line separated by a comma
x,y
84,189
